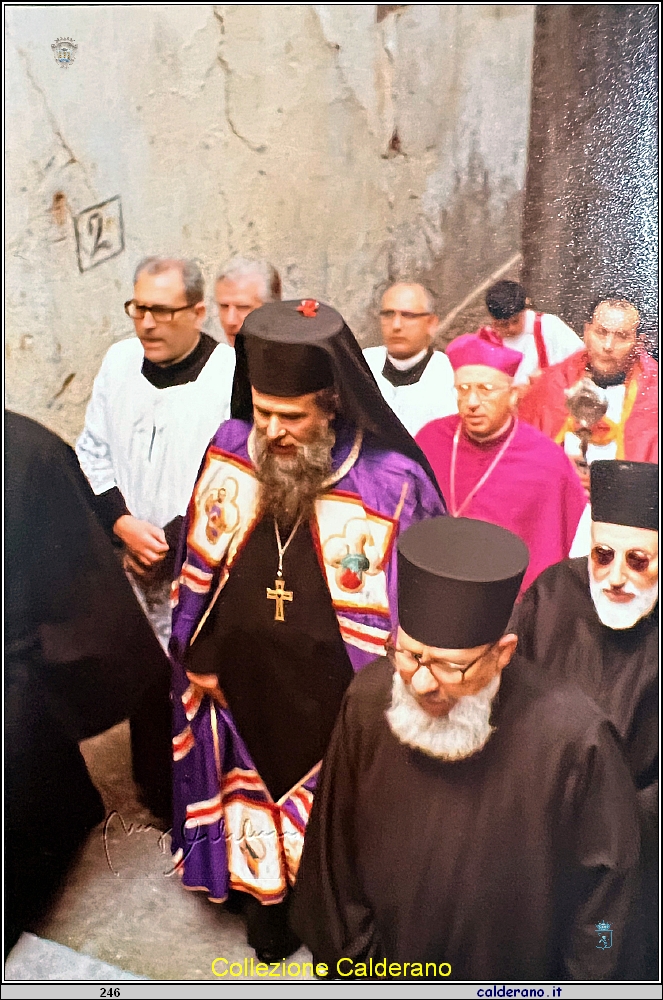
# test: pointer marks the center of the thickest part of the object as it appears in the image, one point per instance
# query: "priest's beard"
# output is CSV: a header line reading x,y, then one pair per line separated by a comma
x,y
462,732
621,616
290,484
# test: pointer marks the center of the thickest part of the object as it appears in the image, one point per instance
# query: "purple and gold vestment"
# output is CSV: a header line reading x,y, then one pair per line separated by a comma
x,y
229,830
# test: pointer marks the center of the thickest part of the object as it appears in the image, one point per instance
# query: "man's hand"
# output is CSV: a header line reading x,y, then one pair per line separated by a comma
x,y
146,544
210,685
583,472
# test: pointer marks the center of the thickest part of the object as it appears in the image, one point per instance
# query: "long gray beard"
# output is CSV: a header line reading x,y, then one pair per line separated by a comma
x,y
464,731
621,616
289,486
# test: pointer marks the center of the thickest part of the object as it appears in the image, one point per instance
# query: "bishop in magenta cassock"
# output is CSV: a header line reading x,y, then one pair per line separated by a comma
x,y
492,467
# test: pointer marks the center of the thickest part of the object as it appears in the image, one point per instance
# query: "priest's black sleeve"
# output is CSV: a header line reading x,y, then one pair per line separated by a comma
x,y
330,913
109,507
79,657
602,829
642,755
173,532
523,621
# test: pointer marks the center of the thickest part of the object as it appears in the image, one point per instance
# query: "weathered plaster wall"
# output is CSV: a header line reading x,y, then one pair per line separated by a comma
x,y
349,143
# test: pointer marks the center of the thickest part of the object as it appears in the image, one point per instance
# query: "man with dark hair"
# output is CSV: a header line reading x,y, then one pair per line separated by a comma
x,y
594,621
620,374
286,586
542,339
415,380
241,286
472,822
156,402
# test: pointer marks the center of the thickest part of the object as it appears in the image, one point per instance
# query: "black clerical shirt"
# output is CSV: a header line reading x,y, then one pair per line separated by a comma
x,y
283,680
410,376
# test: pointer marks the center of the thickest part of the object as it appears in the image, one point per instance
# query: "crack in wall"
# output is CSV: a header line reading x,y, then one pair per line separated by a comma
x,y
335,49
230,234
54,123
227,72
208,72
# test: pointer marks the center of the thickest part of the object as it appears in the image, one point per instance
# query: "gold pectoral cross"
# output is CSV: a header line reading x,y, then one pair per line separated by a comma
x,y
279,594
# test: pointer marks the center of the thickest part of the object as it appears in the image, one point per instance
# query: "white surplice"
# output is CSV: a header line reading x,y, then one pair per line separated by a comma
x,y
432,397
150,442
560,341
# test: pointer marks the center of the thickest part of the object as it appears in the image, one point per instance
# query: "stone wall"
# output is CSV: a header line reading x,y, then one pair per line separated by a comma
x,y
351,144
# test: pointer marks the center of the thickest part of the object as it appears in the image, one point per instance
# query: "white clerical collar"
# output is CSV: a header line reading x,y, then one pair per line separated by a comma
x,y
404,364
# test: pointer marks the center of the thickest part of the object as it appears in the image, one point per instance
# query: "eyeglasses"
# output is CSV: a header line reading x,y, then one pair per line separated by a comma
x,y
407,316
160,314
483,390
408,661
638,561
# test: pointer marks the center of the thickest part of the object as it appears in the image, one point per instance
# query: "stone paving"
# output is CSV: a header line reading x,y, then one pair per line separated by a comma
x,y
121,906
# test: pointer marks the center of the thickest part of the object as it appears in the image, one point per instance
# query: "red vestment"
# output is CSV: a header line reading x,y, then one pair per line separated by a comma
x,y
544,405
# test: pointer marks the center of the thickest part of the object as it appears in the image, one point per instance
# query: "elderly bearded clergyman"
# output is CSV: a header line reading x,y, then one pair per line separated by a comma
x,y
287,586
468,812
595,622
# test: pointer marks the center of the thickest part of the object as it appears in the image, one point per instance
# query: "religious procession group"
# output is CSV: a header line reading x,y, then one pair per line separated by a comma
x,y
410,604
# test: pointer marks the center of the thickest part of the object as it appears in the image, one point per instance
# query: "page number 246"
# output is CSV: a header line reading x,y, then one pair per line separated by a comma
x,y
110,991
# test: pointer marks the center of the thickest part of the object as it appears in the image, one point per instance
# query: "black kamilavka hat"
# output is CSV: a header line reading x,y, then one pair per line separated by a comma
x,y
296,347
281,359
625,493
458,580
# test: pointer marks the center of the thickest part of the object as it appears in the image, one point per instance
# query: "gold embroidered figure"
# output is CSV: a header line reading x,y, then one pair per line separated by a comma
x,y
221,510
216,521
279,594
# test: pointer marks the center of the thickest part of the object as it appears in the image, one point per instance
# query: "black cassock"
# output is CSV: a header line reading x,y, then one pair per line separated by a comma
x,y
501,864
558,628
79,657
284,681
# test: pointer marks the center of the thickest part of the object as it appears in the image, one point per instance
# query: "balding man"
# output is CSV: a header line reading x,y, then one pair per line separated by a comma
x,y
156,402
621,373
416,381
243,285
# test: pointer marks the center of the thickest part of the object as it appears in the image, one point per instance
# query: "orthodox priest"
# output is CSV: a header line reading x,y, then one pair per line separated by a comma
x,y
492,466
595,622
472,822
286,586
79,657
